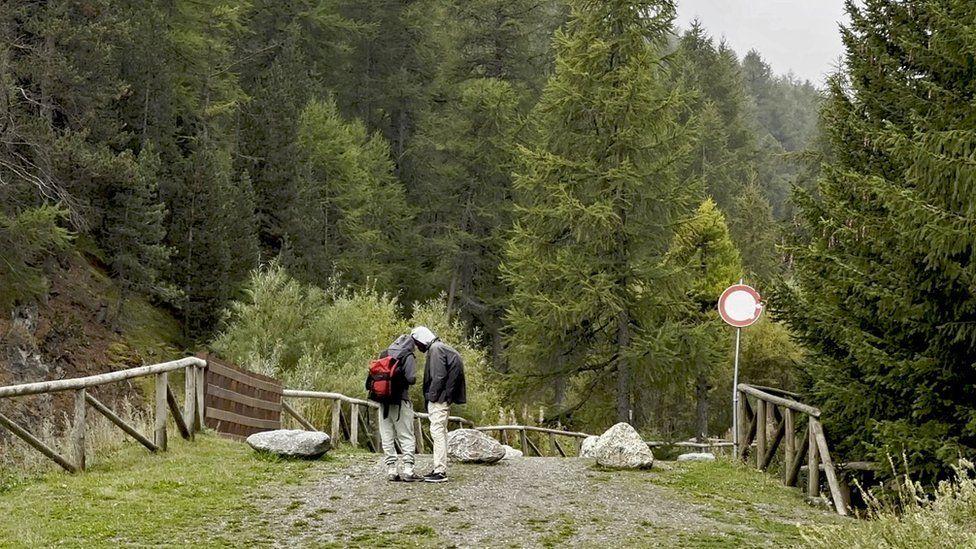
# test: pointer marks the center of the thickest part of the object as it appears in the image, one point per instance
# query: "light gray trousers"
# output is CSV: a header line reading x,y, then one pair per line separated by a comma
x,y
398,426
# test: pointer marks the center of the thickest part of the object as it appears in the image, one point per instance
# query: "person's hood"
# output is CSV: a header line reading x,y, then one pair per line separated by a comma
x,y
403,345
423,335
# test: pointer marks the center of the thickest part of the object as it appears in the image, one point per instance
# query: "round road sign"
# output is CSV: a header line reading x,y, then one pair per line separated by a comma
x,y
740,305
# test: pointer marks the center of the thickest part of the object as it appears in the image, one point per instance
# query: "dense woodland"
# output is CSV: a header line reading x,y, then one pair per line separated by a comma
x,y
563,187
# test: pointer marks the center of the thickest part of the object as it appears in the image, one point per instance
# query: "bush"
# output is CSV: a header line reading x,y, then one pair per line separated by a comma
x,y
323,339
912,519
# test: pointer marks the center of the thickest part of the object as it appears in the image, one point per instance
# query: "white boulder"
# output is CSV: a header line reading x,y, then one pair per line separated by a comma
x,y
697,456
621,447
471,446
586,449
511,453
291,443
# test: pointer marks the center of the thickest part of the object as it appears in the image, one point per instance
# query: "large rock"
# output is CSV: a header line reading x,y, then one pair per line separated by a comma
x,y
586,449
511,453
471,446
621,447
697,456
291,443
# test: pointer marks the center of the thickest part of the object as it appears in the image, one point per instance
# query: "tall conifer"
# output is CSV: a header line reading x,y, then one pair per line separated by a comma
x,y
885,268
597,193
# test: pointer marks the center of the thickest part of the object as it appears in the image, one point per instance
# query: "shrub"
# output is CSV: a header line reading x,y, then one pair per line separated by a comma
x,y
913,519
323,339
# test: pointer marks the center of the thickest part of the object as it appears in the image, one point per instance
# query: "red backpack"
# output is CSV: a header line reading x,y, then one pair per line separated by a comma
x,y
379,382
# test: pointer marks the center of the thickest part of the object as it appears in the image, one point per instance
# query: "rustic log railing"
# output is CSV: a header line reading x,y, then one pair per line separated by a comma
x,y
783,412
362,415
188,421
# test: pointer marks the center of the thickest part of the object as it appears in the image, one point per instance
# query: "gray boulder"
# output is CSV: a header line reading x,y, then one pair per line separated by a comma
x,y
696,456
511,453
621,447
471,446
586,449
291,443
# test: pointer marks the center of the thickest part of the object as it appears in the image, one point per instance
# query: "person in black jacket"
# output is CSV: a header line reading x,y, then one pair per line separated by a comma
x,y
396,420
443,386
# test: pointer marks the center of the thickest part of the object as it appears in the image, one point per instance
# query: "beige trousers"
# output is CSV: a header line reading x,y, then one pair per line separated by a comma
x,y
439,412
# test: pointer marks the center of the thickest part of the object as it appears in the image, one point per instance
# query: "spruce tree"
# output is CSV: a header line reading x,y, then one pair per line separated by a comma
x,y
597,193
133,229
884,271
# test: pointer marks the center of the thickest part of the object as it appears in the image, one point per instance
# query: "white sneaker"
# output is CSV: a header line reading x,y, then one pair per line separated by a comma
x,y
392,475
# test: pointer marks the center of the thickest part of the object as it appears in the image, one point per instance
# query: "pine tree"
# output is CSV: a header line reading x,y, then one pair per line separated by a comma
x,y
703,248
755,232
883,294
133,229
597,193
726,149
351,215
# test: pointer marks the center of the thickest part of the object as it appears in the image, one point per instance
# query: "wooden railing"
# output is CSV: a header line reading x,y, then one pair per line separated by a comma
x,y
785,414
362,415
189,420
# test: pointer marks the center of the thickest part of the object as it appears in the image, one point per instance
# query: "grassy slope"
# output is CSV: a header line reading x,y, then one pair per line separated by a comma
x,y
196,494
209,493
762,510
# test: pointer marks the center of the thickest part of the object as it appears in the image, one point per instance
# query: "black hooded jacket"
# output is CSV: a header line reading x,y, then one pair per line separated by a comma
x,y
444,375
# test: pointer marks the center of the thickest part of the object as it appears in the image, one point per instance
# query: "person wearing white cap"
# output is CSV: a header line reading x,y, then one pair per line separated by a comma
x,y
443,386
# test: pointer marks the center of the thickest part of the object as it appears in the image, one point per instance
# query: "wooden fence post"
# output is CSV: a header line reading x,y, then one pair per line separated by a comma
x,y
525,442
190,399
789,440
813,464
377,441
201,385
354,424
837,493
742,422
760,431
161,411
336,421
78,430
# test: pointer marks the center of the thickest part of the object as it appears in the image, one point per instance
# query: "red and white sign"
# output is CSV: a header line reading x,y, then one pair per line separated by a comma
x,y
740,305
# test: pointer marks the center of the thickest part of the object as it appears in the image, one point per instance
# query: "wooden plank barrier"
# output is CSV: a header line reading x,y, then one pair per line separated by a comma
x,y
188,419
780,409
239,403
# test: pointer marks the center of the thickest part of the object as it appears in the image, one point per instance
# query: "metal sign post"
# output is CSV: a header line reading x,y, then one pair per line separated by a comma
x,y
739,306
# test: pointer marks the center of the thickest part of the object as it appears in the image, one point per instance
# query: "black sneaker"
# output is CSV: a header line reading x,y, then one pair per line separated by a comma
x,y
435,477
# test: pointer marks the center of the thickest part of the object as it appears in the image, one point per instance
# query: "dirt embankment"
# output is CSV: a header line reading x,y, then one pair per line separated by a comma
x,y
75,331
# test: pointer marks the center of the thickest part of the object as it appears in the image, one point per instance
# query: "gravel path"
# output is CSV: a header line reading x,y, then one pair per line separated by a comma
x,y
528,502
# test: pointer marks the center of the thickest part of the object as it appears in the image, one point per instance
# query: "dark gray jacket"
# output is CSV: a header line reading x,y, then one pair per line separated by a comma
x,y
444,375
402,350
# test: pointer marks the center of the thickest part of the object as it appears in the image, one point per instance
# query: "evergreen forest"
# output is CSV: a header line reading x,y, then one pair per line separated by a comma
x,y
560,188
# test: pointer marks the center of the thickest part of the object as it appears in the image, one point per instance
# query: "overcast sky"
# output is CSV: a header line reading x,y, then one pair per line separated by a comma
x,y
797,35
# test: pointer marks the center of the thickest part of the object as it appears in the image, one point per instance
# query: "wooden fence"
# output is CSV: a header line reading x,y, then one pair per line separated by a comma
x,y
239,402
352,417
777,408
188,421
362,417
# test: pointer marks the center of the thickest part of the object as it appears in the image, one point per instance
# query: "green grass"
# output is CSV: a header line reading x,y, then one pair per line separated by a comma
x,y
197,494
762,510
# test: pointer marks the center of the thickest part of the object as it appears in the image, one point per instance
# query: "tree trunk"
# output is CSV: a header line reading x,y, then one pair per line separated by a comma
x,y
701,393
623,367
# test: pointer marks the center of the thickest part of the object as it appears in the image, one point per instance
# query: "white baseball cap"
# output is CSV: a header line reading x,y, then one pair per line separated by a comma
x,y
423,335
